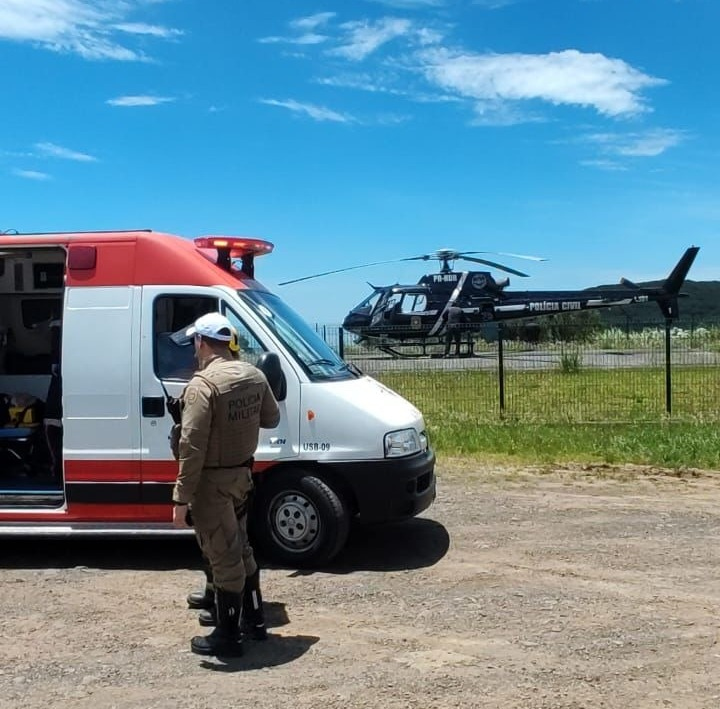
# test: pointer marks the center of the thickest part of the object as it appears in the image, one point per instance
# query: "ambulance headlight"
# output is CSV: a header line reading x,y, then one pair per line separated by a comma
x,y
399,443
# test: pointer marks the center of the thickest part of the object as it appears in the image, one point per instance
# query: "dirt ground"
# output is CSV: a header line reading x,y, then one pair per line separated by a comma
x,y
519,588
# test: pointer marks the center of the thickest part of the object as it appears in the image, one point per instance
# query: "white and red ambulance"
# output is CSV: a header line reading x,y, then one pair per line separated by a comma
x,y
347,446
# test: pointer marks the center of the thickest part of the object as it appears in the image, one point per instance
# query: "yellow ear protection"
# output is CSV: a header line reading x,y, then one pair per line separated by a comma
x,y
234,343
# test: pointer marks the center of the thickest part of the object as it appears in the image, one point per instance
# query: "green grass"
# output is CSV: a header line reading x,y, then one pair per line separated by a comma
x,y
665,444
597,416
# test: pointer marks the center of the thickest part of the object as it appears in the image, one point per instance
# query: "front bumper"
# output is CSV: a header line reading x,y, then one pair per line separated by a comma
x,y
390,489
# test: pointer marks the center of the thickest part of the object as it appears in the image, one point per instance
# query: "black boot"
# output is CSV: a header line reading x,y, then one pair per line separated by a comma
x,y
204,599
208,617
225,640
253,617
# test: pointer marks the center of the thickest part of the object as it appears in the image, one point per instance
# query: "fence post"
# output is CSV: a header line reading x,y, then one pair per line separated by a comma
x,y
501,369
668,368
341,343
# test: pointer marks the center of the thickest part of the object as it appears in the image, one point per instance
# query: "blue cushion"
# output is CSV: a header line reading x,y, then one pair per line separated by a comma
x,y
15,433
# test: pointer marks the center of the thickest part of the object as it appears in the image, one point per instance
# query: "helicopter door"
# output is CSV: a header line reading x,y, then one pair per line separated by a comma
x,y
382,310
418,308
393,314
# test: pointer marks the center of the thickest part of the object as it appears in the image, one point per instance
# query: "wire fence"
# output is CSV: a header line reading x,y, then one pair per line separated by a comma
x,y
641,372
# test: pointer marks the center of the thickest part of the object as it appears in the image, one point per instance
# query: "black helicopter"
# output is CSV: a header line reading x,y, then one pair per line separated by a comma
x,y
416,314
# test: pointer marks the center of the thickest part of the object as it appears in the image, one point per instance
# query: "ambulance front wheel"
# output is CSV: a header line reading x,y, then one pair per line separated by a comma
x,y
298,519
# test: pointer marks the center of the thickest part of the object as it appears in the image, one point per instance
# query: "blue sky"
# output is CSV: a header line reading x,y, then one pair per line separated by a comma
x,y
583,131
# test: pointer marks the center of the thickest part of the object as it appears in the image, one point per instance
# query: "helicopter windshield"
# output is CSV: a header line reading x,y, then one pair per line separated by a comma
x,y
315,356
368,304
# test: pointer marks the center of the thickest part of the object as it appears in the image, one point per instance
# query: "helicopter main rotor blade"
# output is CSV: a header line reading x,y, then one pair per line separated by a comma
x,y
504,253
341,270
507,269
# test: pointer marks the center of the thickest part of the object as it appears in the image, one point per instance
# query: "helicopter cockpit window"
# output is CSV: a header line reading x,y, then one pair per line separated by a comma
x,y
316,357
416,303
394,303
368,304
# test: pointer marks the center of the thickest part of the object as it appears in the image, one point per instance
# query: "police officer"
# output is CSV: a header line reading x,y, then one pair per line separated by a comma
x,y
454,318
253,616
223,407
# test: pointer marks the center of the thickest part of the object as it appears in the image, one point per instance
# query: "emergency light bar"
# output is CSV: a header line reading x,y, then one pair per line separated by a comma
x,y
231,247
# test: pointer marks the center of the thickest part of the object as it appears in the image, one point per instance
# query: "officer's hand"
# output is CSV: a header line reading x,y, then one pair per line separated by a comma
x,y
180,517
174,408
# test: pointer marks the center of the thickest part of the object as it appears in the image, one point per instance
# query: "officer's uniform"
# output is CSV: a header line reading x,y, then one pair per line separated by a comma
x,y
454,317
224,406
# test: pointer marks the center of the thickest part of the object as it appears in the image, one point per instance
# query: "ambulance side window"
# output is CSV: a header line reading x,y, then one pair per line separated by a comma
x,y
250,347
170,314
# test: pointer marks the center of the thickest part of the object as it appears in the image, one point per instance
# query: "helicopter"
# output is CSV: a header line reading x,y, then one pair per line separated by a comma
x,y
396,316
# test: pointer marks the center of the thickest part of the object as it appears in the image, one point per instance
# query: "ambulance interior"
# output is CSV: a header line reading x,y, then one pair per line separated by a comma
x,y
31,300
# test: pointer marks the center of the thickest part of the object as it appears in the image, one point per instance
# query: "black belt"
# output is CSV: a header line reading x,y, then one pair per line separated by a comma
x,y
245,464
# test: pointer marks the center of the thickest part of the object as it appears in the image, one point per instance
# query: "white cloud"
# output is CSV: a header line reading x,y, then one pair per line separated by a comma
x,y
390,85
318,113
610,86
363,82
306,27
51,150
151,30
363,38
32,175
502,89
308,38
139,100
312,21
354,40
502,113
650,143
85,27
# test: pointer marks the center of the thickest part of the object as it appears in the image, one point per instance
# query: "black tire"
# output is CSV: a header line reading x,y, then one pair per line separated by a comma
x,y
298,520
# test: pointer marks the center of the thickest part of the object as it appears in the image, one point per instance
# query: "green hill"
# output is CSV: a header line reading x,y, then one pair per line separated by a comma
x,y
700,307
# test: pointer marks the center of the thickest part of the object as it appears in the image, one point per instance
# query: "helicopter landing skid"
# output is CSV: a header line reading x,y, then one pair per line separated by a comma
x,y
414,350
387,349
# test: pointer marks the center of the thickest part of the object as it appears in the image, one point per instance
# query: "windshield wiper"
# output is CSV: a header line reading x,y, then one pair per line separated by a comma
x,y
354,369
322,361
343,366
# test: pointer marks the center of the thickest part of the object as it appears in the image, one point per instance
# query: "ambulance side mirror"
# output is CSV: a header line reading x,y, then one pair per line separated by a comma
x,y
269,364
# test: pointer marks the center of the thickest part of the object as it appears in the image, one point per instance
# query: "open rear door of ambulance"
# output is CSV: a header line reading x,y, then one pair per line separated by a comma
x,y
100,368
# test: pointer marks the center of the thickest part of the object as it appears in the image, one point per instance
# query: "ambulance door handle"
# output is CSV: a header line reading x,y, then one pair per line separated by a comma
x,y
153,406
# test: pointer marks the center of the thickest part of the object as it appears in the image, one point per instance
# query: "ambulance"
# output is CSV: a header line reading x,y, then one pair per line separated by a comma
x,y
97,460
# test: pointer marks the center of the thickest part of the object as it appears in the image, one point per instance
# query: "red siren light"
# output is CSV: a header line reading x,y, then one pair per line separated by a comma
x,y
235,247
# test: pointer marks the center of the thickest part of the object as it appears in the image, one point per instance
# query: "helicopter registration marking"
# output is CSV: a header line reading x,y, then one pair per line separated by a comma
x,y
551,306
445,278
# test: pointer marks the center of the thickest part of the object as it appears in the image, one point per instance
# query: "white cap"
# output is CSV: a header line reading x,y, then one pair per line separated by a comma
x,y
213,325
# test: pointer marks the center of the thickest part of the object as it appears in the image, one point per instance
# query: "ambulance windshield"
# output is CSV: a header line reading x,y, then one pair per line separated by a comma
x,y
317,358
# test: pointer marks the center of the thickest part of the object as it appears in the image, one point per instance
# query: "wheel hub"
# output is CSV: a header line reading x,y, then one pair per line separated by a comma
x,y
295,521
